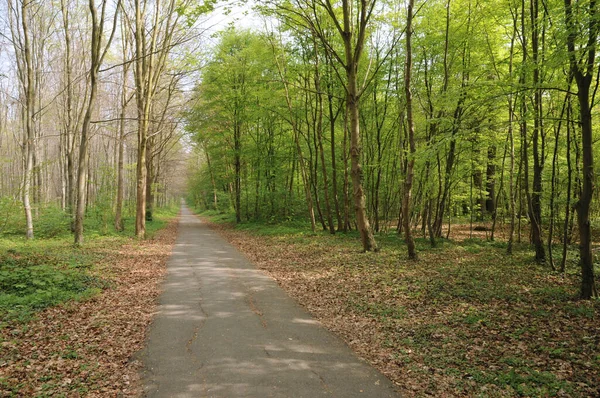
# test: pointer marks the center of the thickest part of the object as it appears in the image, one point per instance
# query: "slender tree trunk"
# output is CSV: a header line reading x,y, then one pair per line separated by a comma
x,y
553,183
353,52
334,182
346,187
97,55
566,225
538,166
29,137
319,135
121,141
406,201
511,115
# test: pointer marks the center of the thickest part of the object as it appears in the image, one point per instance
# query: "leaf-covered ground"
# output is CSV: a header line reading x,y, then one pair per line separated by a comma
x,y
85,348
465,320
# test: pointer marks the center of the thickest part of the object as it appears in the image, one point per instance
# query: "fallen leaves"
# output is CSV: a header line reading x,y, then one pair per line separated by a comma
x,y
463,321
88,348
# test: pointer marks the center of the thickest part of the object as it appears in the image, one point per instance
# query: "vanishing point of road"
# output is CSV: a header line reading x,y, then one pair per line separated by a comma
x,y
226,329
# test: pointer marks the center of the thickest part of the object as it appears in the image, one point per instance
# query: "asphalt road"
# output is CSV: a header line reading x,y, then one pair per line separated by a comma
x,y
225,329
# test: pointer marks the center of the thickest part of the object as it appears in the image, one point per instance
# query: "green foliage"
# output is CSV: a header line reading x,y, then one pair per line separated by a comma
x,y
11,214
53,222
29,284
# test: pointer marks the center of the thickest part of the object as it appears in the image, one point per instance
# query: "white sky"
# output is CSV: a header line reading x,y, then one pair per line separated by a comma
x,y
232,12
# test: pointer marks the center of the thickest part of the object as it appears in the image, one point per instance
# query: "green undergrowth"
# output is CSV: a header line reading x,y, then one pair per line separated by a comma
x,y
48,271
265,227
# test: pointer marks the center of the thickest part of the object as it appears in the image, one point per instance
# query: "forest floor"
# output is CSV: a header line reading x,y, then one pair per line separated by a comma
x,y
464,320
100,299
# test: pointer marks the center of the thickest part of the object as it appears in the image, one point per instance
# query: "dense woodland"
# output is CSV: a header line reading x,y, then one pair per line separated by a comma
x,y
368,116
418,117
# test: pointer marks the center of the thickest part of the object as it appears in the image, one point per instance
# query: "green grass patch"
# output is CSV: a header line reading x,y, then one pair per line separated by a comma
x,y
265,229
525,381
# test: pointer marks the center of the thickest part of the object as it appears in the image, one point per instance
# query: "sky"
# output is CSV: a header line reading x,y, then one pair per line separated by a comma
x,y
232,12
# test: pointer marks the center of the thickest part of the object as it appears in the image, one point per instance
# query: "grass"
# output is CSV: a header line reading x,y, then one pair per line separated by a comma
x,y
49,271
464,320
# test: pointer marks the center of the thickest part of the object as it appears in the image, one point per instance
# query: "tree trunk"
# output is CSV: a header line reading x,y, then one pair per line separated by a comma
x,y
121,142
97,55
538,166
352,104
566,224
332,118
408,182
583,77
29,138
319,135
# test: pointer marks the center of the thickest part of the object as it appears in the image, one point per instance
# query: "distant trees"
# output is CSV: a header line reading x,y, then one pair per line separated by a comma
x,y
491,95
66,100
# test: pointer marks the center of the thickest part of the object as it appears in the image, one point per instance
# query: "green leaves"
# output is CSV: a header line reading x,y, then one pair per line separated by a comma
x,y
191,13
31,282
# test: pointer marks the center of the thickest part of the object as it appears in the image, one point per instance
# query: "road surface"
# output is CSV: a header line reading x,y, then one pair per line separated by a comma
x,y
226,329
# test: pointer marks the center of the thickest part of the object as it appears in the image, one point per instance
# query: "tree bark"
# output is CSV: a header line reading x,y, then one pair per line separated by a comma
x,y
29,137
538,165
408,182
583,75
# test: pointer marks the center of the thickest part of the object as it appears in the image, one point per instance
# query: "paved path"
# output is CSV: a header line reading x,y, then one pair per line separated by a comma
x,y
225,329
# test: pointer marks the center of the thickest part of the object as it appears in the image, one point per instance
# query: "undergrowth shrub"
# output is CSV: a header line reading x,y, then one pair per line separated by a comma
x,y
27,286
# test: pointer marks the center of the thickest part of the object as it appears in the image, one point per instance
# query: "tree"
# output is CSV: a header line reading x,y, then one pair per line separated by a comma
x,y
21,38
98,52
408,182
581,43
352,23
154,28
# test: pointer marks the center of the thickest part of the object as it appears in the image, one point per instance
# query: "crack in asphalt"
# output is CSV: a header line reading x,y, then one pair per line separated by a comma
x,y
325,386
250,302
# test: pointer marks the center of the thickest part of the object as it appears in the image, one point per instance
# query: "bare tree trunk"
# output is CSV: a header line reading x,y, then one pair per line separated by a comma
x,y
119,226
566,225
352,56
511,115
538,166
553,182
319,135
332,119
27,78
150,179
97,55
346,188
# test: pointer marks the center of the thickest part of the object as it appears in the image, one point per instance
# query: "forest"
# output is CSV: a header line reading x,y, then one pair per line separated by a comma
x,y
419,118
413,151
